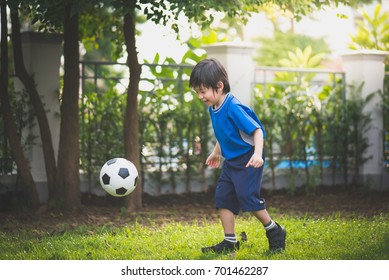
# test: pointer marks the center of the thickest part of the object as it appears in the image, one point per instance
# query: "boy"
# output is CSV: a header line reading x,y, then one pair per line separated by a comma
x,y
239,136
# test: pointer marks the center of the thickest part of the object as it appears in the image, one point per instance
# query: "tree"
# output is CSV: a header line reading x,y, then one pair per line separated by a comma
x,y
52,16
30,86
9,123
68,180
131,125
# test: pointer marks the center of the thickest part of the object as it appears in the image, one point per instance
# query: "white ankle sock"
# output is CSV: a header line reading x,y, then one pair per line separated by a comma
x,y
230,238
270,225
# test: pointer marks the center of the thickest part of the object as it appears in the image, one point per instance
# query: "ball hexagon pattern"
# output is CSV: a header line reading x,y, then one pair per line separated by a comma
x,y
118,177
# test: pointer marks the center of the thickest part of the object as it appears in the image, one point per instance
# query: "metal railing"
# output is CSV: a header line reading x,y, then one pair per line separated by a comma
x,y
265,76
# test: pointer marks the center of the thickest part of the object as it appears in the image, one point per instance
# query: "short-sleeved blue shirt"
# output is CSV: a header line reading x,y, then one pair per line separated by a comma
x,y
234,124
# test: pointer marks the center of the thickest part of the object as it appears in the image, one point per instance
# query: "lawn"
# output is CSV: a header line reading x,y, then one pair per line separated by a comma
x,y
177,231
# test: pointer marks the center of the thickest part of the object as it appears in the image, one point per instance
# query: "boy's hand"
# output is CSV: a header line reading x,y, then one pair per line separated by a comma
x,y
255,161
213,160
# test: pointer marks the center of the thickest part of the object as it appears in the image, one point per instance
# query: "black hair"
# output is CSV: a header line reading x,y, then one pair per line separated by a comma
x,y
208,73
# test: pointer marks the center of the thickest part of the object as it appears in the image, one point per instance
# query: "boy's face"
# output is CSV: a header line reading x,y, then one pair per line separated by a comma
x,y
210,96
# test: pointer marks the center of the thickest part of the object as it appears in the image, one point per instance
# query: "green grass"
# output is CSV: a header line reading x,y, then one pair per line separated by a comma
x,y
308,238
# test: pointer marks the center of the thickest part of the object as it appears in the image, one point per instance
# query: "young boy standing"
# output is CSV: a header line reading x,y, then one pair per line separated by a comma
x,y
239,136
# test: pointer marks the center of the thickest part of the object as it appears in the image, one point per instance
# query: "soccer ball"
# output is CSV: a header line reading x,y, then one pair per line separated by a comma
x,y
118,177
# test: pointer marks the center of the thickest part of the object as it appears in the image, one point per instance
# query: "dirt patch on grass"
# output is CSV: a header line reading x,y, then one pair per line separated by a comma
x,y
326,201
345,202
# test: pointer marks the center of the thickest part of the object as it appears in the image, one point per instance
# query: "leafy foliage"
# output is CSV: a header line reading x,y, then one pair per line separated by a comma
x,y
173,125
101,129
24,120
372,30
300,59
272,50
310,125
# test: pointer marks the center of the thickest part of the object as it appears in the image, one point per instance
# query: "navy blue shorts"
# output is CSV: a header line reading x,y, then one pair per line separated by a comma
x,y
239,186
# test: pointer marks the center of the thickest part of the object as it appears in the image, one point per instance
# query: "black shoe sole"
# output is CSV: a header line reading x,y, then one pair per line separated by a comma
x,y
213,249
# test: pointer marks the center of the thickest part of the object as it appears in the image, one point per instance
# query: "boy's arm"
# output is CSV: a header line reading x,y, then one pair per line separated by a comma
x,y
256,159
213,159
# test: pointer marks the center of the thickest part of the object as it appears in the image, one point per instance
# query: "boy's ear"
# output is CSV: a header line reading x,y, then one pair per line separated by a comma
x,y
220,85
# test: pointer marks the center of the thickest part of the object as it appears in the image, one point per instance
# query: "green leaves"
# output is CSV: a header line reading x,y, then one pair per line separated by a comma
x,y
307,121
302,58
272,50
372,30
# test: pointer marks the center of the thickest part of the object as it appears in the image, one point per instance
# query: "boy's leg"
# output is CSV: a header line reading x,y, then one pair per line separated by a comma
x,y
275,233
228,220
228,206
249,181
262,216
229,243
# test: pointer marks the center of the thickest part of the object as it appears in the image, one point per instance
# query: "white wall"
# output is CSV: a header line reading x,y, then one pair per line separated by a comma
x,y
367,67
42,57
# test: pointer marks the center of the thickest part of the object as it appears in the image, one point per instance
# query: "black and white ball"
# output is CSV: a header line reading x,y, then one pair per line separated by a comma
x,y
118,177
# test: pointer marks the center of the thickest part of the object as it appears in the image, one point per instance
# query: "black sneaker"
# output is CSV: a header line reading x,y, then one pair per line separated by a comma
x,y
223,247
276,238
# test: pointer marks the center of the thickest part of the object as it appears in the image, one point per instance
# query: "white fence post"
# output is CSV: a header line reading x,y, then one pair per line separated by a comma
x,y
238,61
367,66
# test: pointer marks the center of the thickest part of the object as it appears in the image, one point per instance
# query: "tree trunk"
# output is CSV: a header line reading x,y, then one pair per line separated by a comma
x,y
30,86
68,179
131,129
9,124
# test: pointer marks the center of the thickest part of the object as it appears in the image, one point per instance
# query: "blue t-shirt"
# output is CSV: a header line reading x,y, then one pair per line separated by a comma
x,y
234,124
